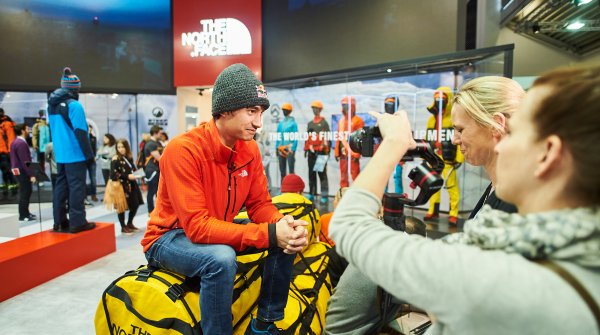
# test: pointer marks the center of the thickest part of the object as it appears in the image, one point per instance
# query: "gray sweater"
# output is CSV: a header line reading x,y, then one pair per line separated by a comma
x,y
465,289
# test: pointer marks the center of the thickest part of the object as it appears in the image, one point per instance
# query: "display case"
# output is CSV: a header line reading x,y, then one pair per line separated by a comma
x,y
413,82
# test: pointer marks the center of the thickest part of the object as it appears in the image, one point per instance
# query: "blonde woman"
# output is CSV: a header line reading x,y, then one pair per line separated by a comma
x,y
480,113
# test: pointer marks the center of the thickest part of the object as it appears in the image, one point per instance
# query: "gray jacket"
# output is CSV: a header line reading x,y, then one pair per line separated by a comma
x,y
466,290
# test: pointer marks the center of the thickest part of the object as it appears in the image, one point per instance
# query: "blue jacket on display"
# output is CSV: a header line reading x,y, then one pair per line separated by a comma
x,y
287,132
69,128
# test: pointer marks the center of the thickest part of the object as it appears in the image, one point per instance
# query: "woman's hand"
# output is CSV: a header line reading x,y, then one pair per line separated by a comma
x,y
397,139
131,176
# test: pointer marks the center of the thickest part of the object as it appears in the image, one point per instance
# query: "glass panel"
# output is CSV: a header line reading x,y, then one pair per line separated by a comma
x,y
415,94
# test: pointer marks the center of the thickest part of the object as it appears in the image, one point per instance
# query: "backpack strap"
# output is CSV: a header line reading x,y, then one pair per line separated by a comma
x,y
583,293
63,111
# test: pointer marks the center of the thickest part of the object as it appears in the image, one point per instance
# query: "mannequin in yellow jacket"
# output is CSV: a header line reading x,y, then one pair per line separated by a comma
x,y
441,139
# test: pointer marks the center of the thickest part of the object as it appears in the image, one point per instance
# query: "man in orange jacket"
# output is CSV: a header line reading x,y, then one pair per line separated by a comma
x,y
207,175
342,149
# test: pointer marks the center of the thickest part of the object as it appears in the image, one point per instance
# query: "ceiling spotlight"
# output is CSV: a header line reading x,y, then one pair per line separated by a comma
x,y
575,25
536,28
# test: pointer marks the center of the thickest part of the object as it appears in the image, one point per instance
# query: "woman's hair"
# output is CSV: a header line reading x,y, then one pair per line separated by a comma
x,y
127,148
111,139
484,97
570,111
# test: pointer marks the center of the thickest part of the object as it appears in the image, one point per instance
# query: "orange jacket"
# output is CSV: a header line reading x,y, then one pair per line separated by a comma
x,y
204,184
317,130
7,134
324,236
356,123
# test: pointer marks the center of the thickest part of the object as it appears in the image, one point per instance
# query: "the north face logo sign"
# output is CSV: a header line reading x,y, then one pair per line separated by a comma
x,y
243,174
261,92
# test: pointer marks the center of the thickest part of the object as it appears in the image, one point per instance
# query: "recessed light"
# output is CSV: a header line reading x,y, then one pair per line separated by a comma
x,y
575,25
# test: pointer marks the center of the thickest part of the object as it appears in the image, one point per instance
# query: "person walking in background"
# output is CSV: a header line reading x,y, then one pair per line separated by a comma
x,y
106,152
145,138
91,168
286,143
152,154
317,145
49,153
121,169
7,136
19,156
73,151
342,148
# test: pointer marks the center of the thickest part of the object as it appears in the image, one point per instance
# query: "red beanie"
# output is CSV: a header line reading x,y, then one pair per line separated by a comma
x,y
292,183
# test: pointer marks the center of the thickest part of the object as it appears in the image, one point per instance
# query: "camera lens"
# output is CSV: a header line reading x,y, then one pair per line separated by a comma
x,y
355,140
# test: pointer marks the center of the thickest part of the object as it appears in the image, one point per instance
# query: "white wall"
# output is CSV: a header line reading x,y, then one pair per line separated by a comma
x,y
188,96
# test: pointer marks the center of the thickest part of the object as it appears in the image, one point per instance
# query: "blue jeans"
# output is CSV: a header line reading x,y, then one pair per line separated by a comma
x,y
92,173
215,264
70,184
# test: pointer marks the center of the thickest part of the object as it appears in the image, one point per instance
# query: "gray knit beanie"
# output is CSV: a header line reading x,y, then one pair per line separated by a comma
x,y
237,87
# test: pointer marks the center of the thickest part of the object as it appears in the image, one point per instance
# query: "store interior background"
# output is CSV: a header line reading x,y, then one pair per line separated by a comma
x,y
301,40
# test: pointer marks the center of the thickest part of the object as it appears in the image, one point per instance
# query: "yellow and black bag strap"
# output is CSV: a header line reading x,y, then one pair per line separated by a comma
x,y
583,293
307,208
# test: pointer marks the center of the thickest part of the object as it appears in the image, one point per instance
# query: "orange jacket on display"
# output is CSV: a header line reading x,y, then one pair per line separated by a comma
x,y
204,184
356,123
7,134
317,130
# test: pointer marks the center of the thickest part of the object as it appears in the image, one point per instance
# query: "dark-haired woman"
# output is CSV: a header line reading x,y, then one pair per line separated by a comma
x,y
105,154
121,169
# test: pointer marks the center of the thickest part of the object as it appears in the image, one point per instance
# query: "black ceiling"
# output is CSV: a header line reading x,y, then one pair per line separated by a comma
x,y
546,20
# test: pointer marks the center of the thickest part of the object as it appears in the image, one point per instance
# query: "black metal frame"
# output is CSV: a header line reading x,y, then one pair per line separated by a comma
x,y
431,64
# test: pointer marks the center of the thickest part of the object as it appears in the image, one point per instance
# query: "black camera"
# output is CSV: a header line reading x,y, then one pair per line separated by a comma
x,y
365,141
425,176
